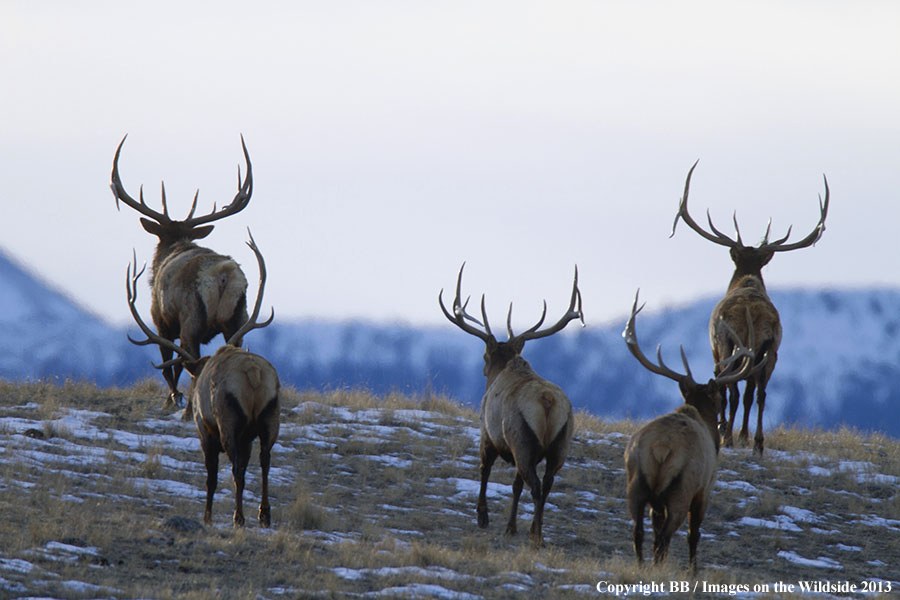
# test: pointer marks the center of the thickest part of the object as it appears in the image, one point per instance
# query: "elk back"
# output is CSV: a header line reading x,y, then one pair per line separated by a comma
x,y
518,390
675,445
748,293
233,375
217,279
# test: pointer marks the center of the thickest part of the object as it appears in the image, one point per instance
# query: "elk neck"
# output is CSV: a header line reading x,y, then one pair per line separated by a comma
x,y
703,399
498,362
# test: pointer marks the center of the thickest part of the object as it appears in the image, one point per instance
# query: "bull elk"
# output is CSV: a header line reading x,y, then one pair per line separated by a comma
x,y
524,418
196,293
746,291
235,394
670,462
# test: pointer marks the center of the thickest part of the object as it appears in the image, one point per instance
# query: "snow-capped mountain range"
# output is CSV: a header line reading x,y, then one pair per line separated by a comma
x,y
839,361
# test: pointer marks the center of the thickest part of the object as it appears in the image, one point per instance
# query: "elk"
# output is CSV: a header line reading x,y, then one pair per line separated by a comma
x,y
196,293
671,461
524,418
235,395
746,291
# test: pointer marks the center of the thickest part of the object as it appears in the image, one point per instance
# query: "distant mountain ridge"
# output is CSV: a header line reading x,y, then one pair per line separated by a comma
x,y
839,361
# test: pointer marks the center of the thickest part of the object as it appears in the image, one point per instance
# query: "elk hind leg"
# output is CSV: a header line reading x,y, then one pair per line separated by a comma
x,y
488,456
267,435
759,439
518,484
237,445
697,512
636,495
674,517
211,449
749,391
734,399
554,459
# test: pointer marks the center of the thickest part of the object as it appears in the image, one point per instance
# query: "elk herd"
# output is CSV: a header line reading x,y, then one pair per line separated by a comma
x,y
670,462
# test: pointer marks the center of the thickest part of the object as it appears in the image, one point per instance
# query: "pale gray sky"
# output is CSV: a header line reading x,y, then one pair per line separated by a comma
x,y
393,140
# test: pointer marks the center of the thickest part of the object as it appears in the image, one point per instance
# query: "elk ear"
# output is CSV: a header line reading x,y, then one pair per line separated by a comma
x,y
194,367
198,233
152,227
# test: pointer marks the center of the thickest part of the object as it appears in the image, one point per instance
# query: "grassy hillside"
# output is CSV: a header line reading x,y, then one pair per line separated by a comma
x,y
101,496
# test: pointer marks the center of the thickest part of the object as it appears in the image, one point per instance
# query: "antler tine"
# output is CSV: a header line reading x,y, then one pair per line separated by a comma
x,y
251,321
118,190
487,325
152,338
194,205
162,185
529,331
737,229
573,312
630,335
716,237
815,234
460,315
240,201
726,241
684,361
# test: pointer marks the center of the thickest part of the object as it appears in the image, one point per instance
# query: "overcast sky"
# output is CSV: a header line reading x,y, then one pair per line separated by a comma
x,y
392,140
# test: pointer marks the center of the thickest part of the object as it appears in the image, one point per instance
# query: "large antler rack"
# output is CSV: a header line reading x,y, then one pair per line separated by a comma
x,y
460,316
742,356
240,201
717,237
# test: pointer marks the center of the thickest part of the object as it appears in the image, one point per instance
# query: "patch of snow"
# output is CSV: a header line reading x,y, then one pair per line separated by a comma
x,y
423,590
846,548
821,562
800,514
17,565
781,522
737,485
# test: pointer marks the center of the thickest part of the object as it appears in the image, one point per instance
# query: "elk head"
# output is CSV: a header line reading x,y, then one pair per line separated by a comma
x,y
749,260
498,354
168,230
